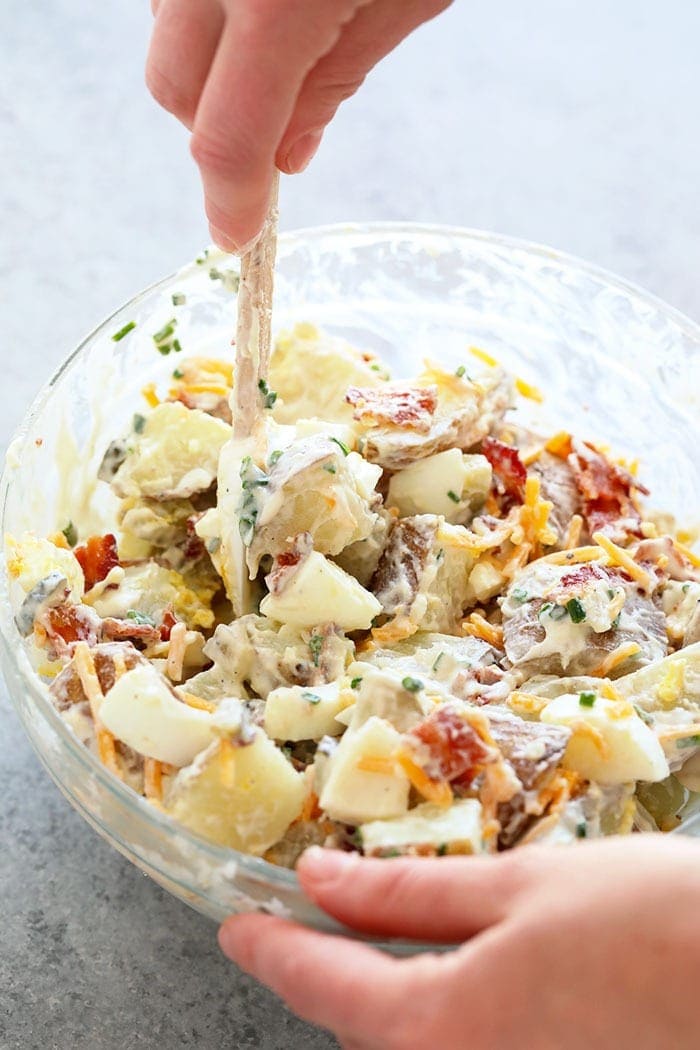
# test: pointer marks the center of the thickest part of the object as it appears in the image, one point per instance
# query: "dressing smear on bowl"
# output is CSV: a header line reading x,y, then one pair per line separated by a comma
x,y
375,614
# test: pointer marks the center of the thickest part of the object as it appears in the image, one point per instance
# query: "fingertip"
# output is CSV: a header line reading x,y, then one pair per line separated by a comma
x,y
320,868
294,159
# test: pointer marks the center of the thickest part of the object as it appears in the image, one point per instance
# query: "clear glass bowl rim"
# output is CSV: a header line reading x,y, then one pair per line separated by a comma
x,y
257,868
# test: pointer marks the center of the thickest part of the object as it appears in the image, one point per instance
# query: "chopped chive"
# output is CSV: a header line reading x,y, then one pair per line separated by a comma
x,y
436,661
165,332
519,595
176,345
129,327
586,699
576,610
342,446
274,457
138,423
581,830
201,259
178,374
453,496
140,618
71,534
375,367
688,741
329,468
557,612
269,396
611,593
355,683
313,698
685,588
179,298
461,371
412,685
616,622
213,544
442,849
315,646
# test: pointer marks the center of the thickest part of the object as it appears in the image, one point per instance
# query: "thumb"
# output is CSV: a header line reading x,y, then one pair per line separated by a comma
x,y
442,900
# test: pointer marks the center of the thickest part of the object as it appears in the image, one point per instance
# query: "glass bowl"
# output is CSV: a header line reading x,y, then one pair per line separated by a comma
x,y
615,365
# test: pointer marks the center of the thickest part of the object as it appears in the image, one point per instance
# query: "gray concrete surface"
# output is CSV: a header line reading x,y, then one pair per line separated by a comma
x,y
572,124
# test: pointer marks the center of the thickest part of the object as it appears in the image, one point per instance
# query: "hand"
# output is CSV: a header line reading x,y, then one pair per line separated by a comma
x,y
257,81
596,945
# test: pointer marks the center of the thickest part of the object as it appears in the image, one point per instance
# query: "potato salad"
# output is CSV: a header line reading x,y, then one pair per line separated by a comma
x,y
388,619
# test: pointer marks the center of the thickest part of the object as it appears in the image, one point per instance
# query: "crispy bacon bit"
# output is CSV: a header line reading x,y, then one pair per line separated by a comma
x,y
128,630
286,562
408,406
582,574
67,624
194,546
607,492
508,468
448,747
169,621
97,557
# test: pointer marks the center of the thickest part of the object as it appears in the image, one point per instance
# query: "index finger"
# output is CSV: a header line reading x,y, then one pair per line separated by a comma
x,y
263,57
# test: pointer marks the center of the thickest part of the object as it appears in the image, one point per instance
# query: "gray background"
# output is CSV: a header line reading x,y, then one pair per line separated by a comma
x,y
575,124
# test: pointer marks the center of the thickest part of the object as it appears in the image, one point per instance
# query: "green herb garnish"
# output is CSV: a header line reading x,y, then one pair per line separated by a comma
x,y
342,446
138,423
685,588
586,699
71,534
616,622
412,685
129,327
581,830
355,683
315,646
269,396
688,741
557,612
165,332
179,298
329,468
140,618
519,595
442,849
453,496
274,457
213,544
575,610
461,371
177,374
436,661
313,698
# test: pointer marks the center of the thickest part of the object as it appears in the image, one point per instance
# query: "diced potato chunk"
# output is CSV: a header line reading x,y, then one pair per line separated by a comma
x,y
243,797
449,483
362,782
142,711
303,713
671,682
30,560
311,372
381,692
321,592
456,829
610,742
176,455
149,588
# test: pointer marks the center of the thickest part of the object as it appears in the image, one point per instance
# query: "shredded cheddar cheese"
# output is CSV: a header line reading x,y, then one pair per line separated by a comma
x,y
615,658
671,686
618,556
529,391
377,764
483,356
196,701
153,779
149,393
477,626
437,791
560,444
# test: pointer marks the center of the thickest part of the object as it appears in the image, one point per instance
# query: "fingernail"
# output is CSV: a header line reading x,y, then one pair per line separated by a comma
x,y
222,240
302,152
326,865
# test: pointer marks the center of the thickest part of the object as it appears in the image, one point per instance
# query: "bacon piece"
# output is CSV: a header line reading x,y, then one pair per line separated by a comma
x,y
66,624
448,747
169,621
508,467
409,406
607,492
194,547
97,557
114,630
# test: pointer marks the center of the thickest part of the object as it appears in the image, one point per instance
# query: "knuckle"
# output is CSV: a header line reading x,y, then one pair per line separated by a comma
x,y
228,159
168,94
